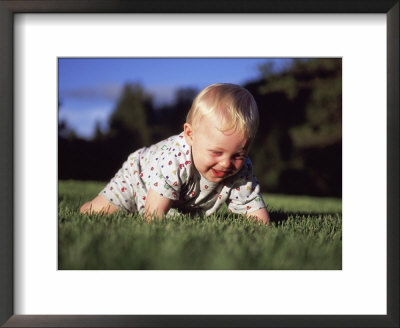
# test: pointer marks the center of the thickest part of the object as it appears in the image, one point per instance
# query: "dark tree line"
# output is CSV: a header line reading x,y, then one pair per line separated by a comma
x,y
297,150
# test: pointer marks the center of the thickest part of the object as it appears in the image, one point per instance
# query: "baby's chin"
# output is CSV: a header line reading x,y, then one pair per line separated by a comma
x,y
213,179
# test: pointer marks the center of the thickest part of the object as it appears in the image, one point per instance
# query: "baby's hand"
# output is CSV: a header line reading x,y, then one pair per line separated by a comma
x,y
260,216
156,205
98,205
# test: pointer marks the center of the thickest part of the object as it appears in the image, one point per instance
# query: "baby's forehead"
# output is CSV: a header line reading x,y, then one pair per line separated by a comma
x,y
213,122
220,139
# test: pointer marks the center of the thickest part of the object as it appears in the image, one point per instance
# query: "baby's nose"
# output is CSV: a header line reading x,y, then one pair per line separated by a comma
x,y
226,163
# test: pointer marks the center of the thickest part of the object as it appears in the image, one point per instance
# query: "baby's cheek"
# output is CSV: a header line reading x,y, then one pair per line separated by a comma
x,y
206,160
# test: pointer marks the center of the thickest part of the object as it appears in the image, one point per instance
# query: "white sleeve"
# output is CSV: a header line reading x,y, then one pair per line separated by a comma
x,y
245,196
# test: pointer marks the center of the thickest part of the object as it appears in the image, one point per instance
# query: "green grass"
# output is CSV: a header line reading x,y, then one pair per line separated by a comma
x,y
306,234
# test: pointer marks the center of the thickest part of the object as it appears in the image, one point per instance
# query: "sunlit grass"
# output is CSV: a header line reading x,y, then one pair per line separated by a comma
x,y
305,234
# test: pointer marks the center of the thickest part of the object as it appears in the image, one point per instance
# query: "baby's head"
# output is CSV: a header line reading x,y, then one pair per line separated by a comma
x,y
231,106
219,127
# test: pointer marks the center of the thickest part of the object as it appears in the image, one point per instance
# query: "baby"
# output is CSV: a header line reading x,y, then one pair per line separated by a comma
x,y
196,171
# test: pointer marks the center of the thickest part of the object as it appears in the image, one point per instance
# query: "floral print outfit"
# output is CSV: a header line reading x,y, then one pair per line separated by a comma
x,y
168,169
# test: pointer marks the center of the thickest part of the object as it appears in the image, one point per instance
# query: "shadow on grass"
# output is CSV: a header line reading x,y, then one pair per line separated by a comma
x,y
282,216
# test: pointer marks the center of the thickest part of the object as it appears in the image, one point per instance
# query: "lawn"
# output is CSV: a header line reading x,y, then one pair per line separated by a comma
x,y
306,234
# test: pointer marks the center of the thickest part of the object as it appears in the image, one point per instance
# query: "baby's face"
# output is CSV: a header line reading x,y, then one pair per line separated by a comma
x,y
216,154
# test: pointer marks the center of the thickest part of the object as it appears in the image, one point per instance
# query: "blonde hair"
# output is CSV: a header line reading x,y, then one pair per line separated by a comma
x,y
232,105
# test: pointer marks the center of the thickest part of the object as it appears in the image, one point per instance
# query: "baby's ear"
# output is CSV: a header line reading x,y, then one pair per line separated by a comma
x,y
188,132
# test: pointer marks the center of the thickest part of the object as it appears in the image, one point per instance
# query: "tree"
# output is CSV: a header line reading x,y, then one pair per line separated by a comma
x,y
129,121
298,147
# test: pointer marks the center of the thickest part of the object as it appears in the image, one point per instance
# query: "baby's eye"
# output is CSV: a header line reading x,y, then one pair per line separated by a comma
x,y
215,152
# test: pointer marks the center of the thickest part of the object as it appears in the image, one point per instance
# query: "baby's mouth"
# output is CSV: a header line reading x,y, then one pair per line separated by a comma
x,y
219,174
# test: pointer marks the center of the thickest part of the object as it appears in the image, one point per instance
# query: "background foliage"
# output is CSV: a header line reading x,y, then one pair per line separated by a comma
x,y
297,150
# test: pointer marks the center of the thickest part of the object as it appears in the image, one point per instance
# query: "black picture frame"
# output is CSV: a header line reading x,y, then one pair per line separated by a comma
x,y
10,7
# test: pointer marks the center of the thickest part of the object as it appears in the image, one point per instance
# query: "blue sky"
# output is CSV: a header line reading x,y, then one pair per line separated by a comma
x,y
88,88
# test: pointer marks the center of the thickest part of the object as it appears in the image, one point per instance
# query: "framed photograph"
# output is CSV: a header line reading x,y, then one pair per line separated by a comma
x,y
36,34
105,121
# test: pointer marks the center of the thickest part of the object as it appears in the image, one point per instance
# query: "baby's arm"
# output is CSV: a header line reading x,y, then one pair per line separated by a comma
x,y
156,205
98,205
260,215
